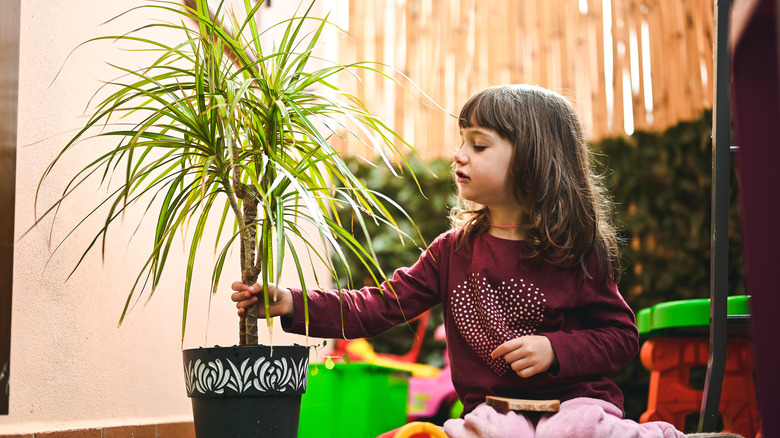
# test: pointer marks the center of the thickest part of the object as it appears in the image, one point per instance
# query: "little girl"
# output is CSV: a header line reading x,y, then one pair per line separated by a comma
x,y
526,277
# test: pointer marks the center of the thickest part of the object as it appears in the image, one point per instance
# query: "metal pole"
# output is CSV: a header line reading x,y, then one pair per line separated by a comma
x,y
721,142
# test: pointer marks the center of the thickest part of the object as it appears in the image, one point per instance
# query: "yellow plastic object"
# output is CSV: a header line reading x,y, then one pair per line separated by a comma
x,y
363,349
419,429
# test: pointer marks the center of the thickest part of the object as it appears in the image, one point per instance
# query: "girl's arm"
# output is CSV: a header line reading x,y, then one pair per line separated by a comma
x,y
607,343
369,311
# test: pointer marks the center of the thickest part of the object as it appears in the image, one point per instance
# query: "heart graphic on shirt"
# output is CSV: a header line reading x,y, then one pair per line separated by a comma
x,y
488,315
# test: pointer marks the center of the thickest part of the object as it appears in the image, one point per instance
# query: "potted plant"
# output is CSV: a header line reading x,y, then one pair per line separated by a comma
x,y
230,135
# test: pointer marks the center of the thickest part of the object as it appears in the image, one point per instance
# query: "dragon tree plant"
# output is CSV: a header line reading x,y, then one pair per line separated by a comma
x,y
231,135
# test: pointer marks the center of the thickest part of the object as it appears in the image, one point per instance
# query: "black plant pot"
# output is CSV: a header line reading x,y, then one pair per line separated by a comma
x,y
244,391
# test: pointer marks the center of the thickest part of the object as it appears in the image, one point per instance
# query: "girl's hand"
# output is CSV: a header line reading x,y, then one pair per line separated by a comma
x,y
246,295
527,355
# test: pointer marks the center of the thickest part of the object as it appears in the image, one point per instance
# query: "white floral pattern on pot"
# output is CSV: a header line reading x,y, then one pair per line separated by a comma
x,y
264,375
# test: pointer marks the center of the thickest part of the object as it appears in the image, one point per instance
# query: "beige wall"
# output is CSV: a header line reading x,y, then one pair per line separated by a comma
x,y
71,367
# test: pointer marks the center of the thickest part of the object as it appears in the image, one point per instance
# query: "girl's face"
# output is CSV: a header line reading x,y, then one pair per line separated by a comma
x,y
481,167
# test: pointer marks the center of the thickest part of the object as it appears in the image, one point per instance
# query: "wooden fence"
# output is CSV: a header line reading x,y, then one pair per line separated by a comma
x,y
625,64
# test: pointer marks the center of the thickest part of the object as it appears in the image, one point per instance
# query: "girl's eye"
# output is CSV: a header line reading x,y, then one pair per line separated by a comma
x,y
479,148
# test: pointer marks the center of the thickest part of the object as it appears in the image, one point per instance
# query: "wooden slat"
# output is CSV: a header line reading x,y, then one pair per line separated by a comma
x,y
482,45
581,62
378,43
460,56
495,48
533,58
624,92
456,73
547,43
598,81
564,23
657,52
400,65
409,115
674,50
706,44
523,44
692,39
513,44
453,48
635,32
616,117
423,69
692,80
446,84
357,27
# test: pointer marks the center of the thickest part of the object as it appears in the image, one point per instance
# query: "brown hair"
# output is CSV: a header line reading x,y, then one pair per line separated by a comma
x,y
567,211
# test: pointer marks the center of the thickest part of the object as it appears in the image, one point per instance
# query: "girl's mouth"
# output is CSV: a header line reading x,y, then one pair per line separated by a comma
x,y
460,176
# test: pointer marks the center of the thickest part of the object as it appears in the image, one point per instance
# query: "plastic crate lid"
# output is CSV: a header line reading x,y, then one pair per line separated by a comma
x,y
686,313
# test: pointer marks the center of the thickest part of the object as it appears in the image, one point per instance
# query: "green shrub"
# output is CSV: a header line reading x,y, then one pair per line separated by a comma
x,y
661,184
430,211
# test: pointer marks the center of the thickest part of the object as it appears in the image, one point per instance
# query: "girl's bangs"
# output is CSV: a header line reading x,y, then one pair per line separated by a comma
x,y
474,112
493,109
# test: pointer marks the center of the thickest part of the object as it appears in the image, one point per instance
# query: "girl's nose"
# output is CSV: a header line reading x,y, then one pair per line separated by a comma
x,y
459,156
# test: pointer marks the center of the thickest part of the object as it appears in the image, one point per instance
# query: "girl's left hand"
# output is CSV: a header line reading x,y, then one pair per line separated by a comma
x,y
527,355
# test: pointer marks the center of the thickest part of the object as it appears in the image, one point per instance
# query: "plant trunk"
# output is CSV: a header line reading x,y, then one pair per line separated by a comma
x,y
249,268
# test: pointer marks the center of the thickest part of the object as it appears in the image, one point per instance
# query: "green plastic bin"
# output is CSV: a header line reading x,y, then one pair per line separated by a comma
x,y
355,400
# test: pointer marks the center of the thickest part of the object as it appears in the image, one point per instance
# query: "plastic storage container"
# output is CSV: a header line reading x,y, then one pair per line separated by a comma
x,y
355,400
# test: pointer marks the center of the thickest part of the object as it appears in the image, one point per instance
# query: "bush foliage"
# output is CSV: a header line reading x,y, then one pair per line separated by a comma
x,y
661,185
430,211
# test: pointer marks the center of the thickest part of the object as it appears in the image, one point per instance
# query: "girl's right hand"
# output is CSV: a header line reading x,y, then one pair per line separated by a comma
x,y
246,296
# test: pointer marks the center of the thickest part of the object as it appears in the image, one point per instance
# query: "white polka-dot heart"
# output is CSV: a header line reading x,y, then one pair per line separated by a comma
x,y
488,315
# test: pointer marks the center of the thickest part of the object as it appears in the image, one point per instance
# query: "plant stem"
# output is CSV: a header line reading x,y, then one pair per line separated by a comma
x,y
249,271
247,325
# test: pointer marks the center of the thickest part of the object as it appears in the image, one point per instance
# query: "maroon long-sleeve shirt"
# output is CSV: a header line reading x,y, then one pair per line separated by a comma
x,y
490,295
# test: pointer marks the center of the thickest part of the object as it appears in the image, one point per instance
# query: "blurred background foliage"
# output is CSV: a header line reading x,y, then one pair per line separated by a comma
x,y
661,187
430,212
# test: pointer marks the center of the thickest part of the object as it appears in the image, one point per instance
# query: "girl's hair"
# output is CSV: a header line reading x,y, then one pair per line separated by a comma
x,y
567,213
